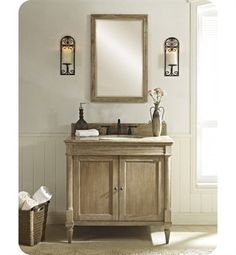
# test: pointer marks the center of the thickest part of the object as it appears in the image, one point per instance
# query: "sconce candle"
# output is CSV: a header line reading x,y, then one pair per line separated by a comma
x,y
171,57
67,56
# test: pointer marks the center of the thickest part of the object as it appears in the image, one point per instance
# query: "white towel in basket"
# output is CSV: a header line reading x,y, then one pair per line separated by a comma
x,y
22,196
42,195
29,204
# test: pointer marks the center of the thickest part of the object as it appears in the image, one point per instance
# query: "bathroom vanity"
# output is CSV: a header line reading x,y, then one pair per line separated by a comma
x,y
118,181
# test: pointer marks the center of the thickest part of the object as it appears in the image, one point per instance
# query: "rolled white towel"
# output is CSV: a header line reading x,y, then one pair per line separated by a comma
x,y
29,204
42,195
88,132
22,196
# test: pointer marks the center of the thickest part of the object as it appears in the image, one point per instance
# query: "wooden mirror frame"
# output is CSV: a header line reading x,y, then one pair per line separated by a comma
x,y
94,85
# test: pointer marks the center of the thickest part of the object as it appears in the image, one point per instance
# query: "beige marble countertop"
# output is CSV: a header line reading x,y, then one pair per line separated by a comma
x,y
121,139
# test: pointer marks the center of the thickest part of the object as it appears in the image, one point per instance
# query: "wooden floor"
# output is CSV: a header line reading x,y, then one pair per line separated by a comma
x,y
182,237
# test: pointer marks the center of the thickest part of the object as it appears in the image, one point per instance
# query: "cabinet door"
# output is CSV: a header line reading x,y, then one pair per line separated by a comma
x,y
95,193
141,188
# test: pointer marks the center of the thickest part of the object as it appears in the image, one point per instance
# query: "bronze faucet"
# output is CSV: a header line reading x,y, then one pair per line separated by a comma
x,y
118,127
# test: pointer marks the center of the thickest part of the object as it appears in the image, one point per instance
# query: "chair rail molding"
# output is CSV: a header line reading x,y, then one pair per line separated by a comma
x,y
198,1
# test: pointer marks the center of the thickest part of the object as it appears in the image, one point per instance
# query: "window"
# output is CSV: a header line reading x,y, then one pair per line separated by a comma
x,y
206,95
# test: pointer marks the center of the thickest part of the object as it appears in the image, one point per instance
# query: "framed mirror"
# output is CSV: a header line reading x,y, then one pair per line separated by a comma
x,y
119,67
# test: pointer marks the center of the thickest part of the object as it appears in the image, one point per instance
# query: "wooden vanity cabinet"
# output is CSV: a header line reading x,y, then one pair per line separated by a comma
x,y
118,183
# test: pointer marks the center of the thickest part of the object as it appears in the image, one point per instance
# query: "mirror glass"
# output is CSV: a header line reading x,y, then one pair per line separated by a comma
x,y
119,58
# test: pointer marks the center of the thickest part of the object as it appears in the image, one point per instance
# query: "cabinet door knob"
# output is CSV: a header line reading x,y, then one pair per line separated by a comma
x,y
121,188
116,188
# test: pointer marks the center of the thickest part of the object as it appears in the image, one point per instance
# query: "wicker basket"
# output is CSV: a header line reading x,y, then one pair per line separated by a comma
x,y
45,220
32,225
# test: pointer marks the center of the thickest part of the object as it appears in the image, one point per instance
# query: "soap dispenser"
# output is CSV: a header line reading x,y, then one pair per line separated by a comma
x,y
81,123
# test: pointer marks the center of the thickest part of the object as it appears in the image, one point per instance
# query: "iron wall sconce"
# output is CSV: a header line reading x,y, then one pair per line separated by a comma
x,y
171,57
67,55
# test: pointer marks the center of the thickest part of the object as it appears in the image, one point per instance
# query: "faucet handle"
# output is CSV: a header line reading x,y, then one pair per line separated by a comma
x,y
118,127
107,129
130,129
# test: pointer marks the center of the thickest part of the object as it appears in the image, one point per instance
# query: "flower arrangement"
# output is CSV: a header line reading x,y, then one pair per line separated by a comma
x,y
156,94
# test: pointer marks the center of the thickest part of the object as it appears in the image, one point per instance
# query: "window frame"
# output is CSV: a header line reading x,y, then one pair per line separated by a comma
x,y
196,186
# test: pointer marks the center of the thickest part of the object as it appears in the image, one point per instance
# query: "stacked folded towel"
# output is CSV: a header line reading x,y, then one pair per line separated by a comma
x,y
42,195
88,132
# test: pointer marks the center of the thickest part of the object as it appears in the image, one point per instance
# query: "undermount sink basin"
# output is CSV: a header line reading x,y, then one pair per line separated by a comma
x,y
119,137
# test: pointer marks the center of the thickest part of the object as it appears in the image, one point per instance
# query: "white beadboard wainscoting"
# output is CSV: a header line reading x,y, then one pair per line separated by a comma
x,y
42,162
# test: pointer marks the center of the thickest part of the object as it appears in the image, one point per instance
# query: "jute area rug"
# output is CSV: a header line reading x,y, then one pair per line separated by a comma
x,y
106,249
125,241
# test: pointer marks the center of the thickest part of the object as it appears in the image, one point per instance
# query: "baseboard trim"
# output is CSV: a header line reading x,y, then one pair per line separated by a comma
x,y
177,218
194,218
56,218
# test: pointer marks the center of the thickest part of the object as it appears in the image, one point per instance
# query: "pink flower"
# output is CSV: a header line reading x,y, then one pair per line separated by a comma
x,y
156,95
159,91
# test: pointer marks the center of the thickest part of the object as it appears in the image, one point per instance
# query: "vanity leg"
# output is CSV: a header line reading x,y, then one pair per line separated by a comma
x,y
167,234
167,199
70,234
69,211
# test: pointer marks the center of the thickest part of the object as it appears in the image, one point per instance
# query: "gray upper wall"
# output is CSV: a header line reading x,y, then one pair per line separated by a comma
x,y
49,102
